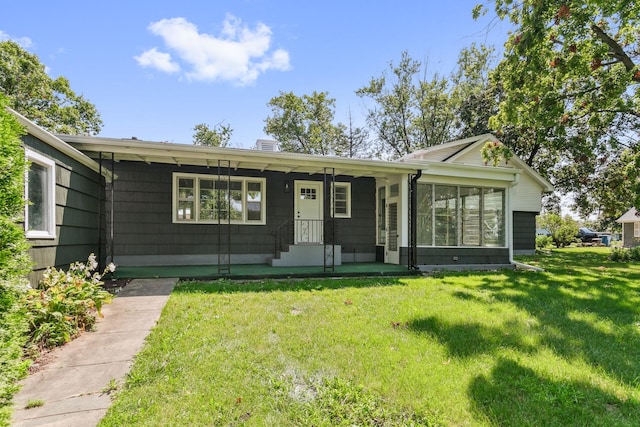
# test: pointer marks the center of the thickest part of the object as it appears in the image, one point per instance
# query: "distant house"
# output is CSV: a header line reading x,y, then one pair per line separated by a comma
x,y
630,228
141,203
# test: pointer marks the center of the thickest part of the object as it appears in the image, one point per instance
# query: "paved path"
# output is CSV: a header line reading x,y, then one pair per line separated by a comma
x,y
71,384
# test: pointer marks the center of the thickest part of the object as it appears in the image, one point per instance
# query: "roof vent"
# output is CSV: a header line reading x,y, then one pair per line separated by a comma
x,y
266,145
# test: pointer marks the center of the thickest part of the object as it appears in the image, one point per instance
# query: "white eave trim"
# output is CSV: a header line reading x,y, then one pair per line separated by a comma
x,y
460,170
518,162
183,154
55,142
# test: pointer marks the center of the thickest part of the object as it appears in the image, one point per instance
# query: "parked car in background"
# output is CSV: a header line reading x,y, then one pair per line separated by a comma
x,y
586,235
542,232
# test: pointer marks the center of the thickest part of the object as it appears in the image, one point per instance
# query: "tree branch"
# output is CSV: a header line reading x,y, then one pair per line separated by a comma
x,y
615,49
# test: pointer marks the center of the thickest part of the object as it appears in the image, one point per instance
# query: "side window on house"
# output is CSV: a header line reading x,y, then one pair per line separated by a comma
x,y
342,202
40,187
636,229
207,199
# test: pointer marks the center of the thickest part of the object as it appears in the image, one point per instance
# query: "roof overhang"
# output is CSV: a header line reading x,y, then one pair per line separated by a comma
x,y
58,144
629,217
195,155
476,142
459,170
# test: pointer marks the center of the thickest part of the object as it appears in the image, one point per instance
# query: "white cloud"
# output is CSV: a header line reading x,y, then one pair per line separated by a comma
x,y
239,54
25,42
158,60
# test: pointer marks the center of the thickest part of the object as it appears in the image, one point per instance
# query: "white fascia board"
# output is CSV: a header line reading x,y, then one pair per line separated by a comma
x,y
55,142
518,162
200,155
456,170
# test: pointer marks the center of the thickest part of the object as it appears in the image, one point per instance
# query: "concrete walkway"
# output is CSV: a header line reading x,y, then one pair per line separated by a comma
x,y
72,384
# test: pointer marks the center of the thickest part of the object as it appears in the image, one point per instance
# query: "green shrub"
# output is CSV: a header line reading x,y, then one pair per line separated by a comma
x,y
563,229
625,254
543,242
14,259
65,304
13,328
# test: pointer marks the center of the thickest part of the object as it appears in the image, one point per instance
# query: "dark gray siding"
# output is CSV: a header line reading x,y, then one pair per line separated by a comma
x,y
78,214
457,256
524,232
629,240
143,228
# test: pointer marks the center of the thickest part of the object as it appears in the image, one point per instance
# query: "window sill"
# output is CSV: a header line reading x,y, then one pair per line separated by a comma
x,y
35,235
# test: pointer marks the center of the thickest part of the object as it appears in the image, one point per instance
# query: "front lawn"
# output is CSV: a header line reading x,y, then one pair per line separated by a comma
x,y
561,347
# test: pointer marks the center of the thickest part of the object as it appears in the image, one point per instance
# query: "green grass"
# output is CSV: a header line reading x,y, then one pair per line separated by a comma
x,y
561,347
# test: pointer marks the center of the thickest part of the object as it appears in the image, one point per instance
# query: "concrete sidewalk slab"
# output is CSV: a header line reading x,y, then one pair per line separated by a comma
x,y
71,384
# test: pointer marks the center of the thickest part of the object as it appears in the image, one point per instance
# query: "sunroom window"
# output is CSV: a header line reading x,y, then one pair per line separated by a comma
x,y
450,215
209,199
40,186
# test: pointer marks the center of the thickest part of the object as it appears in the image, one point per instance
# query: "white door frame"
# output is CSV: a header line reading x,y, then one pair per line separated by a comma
x,y
392,242
307,216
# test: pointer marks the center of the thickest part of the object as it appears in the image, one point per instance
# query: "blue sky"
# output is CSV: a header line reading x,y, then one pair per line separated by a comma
x,y
156,69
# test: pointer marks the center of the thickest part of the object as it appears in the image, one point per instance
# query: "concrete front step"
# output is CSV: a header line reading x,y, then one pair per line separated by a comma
x,y
307,255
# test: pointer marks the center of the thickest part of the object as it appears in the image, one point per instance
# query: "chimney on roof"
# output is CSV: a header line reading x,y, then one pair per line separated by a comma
x,y
267,145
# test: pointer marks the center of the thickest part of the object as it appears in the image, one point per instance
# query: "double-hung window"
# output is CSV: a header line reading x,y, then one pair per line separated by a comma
x,y
40,190
342,200
636,229
213,199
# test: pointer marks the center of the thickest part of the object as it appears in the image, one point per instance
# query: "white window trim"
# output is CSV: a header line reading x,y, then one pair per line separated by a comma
x,y
50,165
636,229
346,185
196,207
459,212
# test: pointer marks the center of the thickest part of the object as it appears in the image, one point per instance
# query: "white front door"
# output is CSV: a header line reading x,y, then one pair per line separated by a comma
x,y
308,212
391,249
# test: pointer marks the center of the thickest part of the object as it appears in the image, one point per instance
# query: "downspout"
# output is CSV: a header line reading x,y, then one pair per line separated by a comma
x,y
510,231
100,207
111,214
413,218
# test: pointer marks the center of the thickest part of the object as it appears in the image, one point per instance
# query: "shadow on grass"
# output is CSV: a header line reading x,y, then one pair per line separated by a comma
x,y
516,395
583,313
227,286
468,339
582,308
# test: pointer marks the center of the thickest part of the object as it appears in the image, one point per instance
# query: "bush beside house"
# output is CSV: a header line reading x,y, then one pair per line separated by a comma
x,y
563,230
14,260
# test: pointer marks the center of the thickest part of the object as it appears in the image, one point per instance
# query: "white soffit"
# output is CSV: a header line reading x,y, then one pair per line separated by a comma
x,y
183,154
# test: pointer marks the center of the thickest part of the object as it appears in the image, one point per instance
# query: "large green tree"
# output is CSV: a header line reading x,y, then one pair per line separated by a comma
x,y
570,78
412,109
218,136
353,141
409,111
48,102
305,124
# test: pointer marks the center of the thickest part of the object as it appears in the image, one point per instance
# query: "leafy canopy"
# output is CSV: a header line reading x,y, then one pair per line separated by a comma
x,y
411,110
48,102
219,136
305,124
570,76
14,260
